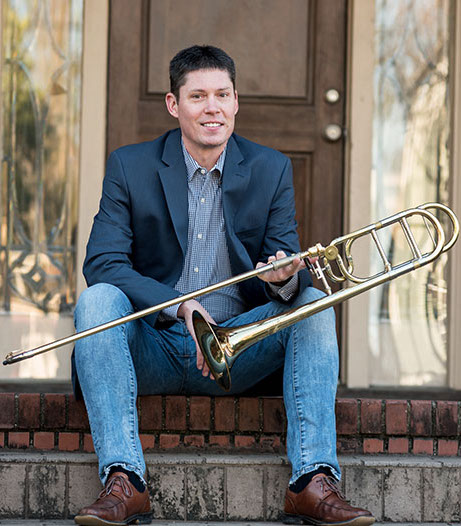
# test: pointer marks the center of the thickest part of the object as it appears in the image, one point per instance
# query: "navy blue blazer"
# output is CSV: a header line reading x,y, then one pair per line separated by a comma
x,y
139,237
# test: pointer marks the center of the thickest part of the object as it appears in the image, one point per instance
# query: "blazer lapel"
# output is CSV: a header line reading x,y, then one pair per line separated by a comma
x,y
174,181
236,177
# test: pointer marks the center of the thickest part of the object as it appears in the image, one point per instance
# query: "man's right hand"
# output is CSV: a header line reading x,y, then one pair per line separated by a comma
x,y
185,311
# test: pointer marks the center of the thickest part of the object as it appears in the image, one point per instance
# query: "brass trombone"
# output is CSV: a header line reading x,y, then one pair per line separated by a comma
x,y
221,346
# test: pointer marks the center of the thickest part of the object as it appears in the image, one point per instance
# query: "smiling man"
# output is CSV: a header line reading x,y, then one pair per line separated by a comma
x,y
205,106
187,210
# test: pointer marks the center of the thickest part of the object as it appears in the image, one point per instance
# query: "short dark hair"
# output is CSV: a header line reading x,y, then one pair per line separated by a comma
x,y
195,58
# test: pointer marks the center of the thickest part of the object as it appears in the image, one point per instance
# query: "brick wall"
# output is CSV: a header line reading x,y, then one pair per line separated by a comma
x,y
58,422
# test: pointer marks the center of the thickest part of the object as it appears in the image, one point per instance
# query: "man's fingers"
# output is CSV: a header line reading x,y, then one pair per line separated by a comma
x,y
284,273
201,364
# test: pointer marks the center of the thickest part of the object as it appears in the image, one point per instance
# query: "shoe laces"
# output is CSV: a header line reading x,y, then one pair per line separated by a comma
x,y
329,483
115,482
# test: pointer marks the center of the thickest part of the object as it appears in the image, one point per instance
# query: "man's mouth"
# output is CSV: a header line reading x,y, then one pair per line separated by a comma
x,y
212,124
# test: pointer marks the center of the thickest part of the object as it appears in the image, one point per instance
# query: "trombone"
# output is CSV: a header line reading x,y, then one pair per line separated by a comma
x,y
221,346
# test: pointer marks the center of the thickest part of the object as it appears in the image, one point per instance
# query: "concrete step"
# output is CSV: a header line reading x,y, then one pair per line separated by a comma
x,y
215,487
37,522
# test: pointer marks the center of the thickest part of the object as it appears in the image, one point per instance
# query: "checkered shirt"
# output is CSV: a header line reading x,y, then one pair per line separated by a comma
x,y
207,257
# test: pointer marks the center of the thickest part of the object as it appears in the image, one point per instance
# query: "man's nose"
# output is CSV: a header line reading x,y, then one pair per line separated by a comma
x,y
212,105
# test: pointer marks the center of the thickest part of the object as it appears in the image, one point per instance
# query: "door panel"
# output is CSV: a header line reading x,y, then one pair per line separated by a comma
x,y
231,25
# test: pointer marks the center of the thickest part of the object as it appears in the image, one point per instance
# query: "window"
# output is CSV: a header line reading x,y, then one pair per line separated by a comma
x,y
403,85
41,78
410,166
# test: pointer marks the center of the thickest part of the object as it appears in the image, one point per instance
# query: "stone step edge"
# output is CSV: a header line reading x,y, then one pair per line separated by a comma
x,y
20,522
233,459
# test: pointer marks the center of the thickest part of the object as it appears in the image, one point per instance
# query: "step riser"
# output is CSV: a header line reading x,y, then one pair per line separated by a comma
x,y
232,488
57,422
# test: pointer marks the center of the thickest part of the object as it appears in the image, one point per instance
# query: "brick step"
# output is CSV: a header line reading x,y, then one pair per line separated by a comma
x,y
56,421
204,486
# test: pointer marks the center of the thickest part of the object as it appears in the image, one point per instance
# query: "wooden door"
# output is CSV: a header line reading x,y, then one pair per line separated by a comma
x,y
290,58
288,54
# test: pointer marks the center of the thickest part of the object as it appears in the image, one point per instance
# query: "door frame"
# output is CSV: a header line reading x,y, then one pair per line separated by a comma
x,y
94,122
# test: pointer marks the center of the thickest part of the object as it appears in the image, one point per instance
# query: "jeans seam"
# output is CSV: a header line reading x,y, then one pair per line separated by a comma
x,y
295,388
132,398
186,357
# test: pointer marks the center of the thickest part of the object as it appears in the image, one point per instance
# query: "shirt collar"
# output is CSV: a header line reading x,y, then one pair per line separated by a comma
x,y
192,165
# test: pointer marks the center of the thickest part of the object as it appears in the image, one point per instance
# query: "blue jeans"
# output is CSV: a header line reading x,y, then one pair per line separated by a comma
x,y
116,365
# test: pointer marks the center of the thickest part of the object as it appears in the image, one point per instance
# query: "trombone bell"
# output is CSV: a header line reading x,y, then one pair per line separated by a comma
x,y
214,349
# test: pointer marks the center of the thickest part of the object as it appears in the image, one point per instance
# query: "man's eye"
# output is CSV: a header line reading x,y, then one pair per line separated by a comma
x,y
196,96
224,95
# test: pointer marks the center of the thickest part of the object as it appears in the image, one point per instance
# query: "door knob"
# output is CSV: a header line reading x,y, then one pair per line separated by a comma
x,y
332,132
331,96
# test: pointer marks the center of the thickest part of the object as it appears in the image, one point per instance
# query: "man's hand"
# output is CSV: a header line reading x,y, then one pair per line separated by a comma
x,y
185,311
282,275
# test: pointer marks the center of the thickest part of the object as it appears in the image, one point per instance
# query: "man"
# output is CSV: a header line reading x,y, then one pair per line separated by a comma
x,y
191,208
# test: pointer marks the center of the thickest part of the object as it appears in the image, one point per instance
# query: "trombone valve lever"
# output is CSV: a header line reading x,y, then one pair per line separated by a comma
x,y
317,271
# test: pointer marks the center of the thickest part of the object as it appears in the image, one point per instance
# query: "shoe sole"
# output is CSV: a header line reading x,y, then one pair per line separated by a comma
x,y
304,519
93,520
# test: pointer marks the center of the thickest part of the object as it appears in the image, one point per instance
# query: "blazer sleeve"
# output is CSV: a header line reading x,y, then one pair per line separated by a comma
x,y
281,230
109,250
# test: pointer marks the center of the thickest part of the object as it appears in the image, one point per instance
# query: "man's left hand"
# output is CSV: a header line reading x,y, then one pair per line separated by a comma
x,y
185,311
282,275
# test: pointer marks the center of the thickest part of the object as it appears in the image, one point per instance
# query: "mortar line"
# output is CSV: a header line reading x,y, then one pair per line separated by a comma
x,y
225,494
26,493
264,493
186,492
66,491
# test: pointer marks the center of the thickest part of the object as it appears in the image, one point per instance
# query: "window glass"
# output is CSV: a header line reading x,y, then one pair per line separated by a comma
x,y
408,317
40,139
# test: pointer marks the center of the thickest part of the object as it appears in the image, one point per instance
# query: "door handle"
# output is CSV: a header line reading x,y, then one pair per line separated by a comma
x,y
331,96
332,132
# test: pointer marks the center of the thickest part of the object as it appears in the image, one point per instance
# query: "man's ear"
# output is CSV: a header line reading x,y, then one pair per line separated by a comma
x,y
171,104
236,103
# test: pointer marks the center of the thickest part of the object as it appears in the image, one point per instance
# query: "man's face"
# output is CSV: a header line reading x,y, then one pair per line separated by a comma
x,y
206,109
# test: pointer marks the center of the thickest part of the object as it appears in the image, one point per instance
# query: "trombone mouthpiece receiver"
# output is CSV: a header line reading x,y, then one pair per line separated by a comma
x,y
6,361
10,358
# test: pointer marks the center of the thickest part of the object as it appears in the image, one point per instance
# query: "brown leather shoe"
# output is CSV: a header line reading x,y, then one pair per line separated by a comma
x,y
321,503
118,503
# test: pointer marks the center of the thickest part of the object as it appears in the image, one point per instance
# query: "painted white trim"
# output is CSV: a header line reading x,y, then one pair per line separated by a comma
x,y
93,124
358,170
454,349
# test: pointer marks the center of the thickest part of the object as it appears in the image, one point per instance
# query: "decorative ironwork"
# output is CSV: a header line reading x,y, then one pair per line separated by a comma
x,y
40,98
